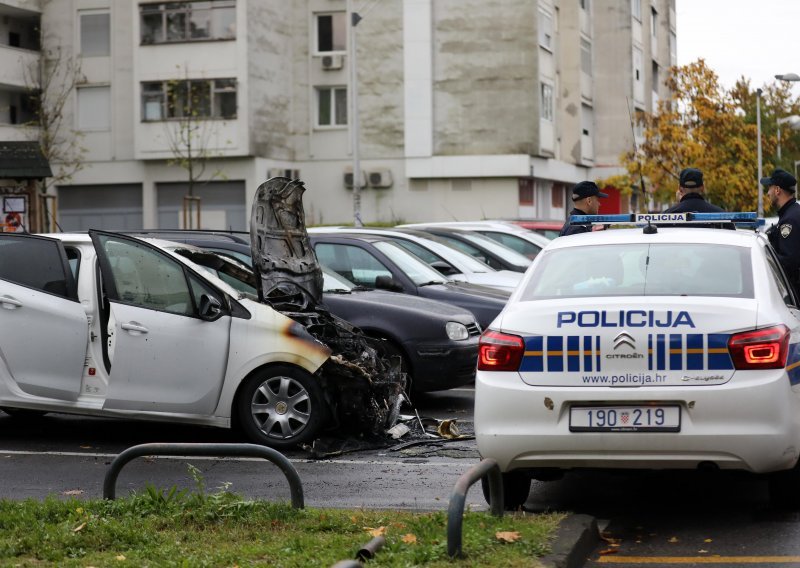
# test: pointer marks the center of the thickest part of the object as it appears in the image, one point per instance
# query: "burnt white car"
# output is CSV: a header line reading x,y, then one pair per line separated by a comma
x,y
109,325
645,348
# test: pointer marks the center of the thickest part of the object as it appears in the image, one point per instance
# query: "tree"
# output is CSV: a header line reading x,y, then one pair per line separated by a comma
x,y
703,125
51,82
189,133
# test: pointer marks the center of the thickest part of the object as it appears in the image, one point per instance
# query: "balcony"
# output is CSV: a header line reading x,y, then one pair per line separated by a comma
x,y
17,67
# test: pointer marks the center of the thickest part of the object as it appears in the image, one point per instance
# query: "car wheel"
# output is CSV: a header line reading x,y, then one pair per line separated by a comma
x,y
23,413
280,406
784,489
516,489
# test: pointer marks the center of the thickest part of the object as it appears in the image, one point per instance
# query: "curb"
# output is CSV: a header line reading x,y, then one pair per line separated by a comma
x,y
576,537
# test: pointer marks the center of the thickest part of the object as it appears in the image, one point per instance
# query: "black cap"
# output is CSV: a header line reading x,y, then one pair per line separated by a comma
x,y
782,179
691,178
586,189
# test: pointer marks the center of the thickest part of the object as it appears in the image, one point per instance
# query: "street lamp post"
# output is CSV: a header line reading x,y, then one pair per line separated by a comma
x,y
794,124
353,19
758,131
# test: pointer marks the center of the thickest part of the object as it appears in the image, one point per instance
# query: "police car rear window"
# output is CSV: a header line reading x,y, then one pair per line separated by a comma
x,y
642,270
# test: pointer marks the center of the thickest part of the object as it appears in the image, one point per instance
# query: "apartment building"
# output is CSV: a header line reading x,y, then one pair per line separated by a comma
x,y
466,108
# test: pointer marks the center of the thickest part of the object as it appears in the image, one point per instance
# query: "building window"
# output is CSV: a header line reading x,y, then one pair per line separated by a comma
x,y
673,48
545,30
525,191
653,21
95,34
556,196
331,32
636,8
200,98
655,77
94,108
586,56
331,106
547,102
169,22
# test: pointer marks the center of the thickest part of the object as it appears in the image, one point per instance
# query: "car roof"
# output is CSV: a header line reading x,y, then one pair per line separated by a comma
x,y
687,235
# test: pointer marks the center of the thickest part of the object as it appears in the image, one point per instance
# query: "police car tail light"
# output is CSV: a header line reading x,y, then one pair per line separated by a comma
x,y
761,349
500,351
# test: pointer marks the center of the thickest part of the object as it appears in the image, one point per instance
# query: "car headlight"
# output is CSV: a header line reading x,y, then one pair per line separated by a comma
x,y
456,331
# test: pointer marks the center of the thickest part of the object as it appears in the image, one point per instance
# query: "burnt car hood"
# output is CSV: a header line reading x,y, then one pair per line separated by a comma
x,y
362,383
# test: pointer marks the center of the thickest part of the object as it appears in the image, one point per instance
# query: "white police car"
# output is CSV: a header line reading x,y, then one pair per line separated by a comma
x,y
648,348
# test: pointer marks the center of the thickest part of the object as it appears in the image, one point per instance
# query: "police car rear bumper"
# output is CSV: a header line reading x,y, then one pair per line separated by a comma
x,y
752,423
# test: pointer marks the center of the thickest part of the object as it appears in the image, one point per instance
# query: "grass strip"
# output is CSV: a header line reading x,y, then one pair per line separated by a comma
x,y
176,528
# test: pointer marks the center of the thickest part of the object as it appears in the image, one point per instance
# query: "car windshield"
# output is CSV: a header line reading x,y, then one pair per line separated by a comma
x,y
332,282
522,246
502,251
642,270
432,250
410,265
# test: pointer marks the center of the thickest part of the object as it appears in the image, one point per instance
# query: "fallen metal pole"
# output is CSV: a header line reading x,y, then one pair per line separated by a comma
x,y
211,450
455,512
368,551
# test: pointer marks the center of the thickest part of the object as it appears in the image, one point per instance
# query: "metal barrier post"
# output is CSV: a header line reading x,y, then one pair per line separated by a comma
x,y
209,450
455,512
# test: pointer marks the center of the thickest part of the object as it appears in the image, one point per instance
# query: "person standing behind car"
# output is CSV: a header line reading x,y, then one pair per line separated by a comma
x,y
785,235
689,194
586,196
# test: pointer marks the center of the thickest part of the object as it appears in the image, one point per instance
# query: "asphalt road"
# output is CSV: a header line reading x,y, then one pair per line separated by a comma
x,y
647,518
66,455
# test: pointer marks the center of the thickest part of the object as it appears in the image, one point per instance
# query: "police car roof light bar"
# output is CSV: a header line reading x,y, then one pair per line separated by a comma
x,y
742,218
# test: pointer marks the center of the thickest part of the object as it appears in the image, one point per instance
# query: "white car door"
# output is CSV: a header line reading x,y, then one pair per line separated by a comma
x,y
164,357
44,329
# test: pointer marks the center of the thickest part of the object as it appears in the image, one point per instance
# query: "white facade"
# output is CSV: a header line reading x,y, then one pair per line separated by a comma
x,y
467,108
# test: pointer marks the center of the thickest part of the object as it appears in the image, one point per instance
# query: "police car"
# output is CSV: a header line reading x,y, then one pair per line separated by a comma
x,y
650,347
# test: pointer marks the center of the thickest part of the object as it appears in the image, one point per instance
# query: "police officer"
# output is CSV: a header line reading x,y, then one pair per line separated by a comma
x,y
785,235
689,194
586,196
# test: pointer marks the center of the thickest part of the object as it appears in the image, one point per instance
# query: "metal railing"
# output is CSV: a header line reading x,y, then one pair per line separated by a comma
x,y
210,450
455,513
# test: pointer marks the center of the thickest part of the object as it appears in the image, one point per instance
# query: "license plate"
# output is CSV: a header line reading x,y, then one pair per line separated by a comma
x,y
638,418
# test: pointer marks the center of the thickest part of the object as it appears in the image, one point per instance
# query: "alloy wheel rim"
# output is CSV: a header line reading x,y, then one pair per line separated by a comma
x,y
281,407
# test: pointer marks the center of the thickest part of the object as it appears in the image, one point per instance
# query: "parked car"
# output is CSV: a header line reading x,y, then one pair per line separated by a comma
x,y
481,247
437,342
648,348
377,262
549,228
437,353
109,325
441,255
514,237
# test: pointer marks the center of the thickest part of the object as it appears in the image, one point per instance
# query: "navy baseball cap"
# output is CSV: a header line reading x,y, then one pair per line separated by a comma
x,y
584,189
691,177
782,179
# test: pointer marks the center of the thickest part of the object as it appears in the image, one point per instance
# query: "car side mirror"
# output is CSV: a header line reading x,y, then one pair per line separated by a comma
x,y
387,283
444,268
210,308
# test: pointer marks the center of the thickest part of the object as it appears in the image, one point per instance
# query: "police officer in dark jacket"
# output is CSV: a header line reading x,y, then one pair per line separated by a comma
x,y
689,194
785,235
586,196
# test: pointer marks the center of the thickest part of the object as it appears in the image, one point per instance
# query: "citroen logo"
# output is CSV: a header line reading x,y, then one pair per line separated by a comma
x,y
624,338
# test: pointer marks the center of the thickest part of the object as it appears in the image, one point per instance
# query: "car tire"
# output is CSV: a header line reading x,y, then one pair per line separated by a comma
x,y
281,406
516,489
784,489
24,413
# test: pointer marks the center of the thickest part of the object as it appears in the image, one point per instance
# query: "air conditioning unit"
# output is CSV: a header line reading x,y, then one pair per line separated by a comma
x,y
283,172
380,178
348,178
332,62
